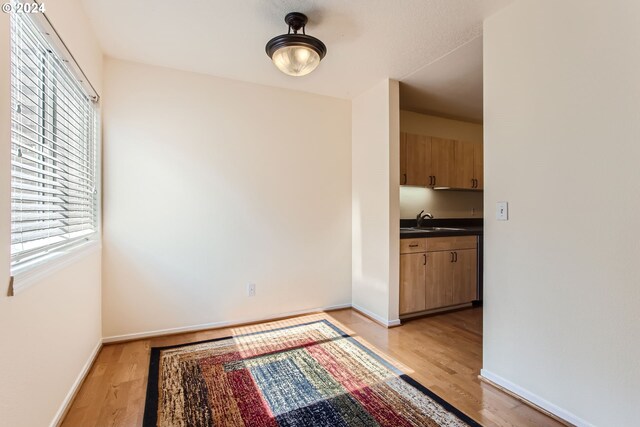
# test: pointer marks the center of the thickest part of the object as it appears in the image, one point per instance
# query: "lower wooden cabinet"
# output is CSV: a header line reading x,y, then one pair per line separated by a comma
x,y
464,284
412,272
445,274
437,283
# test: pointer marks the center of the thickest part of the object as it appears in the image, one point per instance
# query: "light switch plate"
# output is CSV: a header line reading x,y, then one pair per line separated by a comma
x,y
251,289
502,211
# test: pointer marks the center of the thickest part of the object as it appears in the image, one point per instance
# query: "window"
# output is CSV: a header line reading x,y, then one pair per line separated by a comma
x,y
54,165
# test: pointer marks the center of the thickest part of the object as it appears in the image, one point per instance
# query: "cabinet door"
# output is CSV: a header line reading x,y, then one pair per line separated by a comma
x,y
442,159
418,157
464,164
465,276
412,282
403,158
438,279
478,164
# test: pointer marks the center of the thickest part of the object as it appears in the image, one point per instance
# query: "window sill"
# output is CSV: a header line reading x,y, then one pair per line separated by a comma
x,y
29,274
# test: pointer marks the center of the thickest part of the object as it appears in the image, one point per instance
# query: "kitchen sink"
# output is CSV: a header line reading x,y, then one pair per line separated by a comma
x,y
428,229
437,229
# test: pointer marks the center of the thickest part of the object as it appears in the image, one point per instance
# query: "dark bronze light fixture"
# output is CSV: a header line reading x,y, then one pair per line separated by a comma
x,y
296,54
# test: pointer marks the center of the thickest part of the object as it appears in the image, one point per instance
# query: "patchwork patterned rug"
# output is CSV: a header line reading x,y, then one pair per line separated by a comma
x,y
310,374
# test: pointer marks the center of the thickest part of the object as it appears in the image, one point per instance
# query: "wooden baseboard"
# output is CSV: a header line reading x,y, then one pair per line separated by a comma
x,y
525,401
217,325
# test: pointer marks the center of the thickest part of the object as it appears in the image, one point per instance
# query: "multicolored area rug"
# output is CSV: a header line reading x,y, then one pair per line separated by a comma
x,y
310,374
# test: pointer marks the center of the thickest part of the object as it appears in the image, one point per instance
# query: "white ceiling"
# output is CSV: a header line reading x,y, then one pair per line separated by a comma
x,y
450,86
367,40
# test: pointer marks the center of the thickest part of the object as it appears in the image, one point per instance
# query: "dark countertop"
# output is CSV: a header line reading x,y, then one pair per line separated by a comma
x,y
444,226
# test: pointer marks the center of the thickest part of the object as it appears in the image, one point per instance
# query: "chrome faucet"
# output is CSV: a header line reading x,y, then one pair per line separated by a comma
x,y
421,217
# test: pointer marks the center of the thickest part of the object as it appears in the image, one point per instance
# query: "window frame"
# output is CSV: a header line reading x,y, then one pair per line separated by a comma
x,y
31,269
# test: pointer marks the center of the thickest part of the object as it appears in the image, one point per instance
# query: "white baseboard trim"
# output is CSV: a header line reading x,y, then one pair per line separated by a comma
x,y
377,318
66,403
535,399
214,325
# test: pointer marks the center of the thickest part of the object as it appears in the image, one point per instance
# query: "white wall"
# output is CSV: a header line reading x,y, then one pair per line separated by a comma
x,y
49,331
562,126
440,203
376,214
210,184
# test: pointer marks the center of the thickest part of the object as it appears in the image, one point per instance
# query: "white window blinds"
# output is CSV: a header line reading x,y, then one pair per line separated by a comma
x,y
53,148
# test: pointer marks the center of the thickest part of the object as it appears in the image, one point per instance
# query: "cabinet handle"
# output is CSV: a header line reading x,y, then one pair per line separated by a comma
x,y
455,257
405,179
451,256
425,259
434,180
413,246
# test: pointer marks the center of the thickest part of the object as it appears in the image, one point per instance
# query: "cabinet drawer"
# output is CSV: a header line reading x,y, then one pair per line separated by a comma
x,y
409,246
451,243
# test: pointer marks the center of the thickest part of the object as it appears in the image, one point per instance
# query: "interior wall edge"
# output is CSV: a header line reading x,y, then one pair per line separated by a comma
x,y
376,318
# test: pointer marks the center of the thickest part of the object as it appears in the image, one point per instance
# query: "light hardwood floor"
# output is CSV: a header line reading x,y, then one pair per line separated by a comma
x,y
443,352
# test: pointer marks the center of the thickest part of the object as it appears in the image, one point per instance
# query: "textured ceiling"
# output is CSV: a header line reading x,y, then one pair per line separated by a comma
x,y
367,40
450,86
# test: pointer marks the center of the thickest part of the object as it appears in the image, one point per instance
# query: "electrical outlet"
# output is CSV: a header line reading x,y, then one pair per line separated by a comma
x,y
251,289
502,211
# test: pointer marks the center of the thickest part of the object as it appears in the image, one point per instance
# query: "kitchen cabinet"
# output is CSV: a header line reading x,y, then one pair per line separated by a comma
x,y
426,161
439,162
412,279
403,158
437,280
468,165
464,283
442,162
437,272
415,159
478,164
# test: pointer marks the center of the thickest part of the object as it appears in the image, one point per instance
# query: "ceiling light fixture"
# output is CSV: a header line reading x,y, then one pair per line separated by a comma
x,y
296,54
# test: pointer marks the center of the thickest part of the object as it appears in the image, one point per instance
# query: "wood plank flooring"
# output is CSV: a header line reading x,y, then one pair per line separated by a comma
x,y
443,352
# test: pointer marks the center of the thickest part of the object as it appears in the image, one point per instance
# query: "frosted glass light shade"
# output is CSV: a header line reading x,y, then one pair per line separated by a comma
x,y
296,60
293,53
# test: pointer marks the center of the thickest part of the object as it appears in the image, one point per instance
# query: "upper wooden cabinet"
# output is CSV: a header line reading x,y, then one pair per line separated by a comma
x,y
478,164
438,162
442,162
468,165
426,161
415,159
